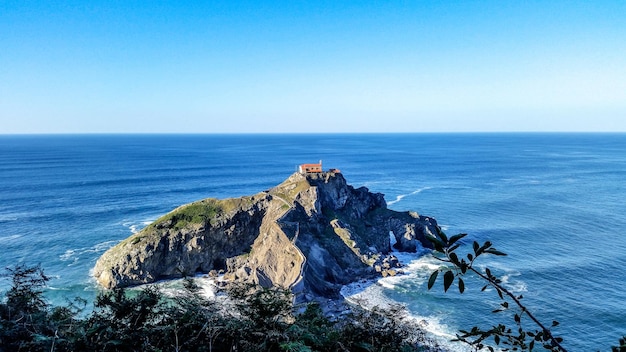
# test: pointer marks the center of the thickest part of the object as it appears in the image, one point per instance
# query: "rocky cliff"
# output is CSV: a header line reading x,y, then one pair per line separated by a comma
x,y
312,233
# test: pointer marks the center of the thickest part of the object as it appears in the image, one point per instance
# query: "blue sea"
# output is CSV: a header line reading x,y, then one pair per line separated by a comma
x,y
556,203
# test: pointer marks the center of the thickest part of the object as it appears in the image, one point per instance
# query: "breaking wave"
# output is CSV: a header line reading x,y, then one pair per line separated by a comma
x,y
136,226
73,256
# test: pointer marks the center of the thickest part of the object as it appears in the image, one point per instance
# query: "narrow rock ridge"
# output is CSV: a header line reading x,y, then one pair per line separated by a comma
x,y
312,234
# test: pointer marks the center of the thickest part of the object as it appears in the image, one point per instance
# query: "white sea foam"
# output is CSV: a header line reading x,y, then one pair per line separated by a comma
x,y
52,288
208,287
135,226
6,239
426,263
103,246
387,284
138,227
402,196
371,294
513,285
174,287
67,255
398,198
75,254
367,294
53,279
510,277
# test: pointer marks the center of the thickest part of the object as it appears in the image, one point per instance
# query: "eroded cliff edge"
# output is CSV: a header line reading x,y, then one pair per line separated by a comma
x,y
313,233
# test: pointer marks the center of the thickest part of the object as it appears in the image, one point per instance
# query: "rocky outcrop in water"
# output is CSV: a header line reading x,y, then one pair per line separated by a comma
x,y
313,233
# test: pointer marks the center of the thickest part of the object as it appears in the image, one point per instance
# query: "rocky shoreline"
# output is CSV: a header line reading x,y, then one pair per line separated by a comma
x,y
312,234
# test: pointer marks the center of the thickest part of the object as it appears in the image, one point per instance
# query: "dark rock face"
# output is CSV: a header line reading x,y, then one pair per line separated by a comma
x,y
312,233
409,230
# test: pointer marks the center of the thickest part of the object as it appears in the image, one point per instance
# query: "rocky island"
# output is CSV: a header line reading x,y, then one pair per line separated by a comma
x,y
312,234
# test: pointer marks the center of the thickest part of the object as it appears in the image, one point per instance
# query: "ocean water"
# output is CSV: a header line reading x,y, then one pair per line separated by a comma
x,y
554,202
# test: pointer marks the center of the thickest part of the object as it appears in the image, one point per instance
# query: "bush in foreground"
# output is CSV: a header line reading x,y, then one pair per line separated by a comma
x,y
256,319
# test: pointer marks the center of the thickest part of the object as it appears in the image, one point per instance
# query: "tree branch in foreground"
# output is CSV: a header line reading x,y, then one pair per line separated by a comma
x,y
516,339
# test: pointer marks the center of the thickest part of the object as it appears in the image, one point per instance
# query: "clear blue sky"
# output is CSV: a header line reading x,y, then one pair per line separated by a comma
x,y
315,66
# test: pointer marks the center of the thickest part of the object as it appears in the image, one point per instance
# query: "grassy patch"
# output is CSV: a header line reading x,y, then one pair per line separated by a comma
x,y
289,191
201,212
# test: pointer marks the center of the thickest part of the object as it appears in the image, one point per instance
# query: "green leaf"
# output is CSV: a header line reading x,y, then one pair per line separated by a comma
x,y
443,236
482,249
455,238
494,252
555,323
454,258
476,247
432,279
461,285
431,238
436,242
448,278
496,339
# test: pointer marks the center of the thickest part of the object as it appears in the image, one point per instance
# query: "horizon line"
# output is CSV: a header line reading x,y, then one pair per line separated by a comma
x,y
294,133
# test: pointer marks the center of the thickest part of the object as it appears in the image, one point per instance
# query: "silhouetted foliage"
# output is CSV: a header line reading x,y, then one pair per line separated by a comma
x,y
27,322
251,318
517,338
123,322
621,347
313,331
379,330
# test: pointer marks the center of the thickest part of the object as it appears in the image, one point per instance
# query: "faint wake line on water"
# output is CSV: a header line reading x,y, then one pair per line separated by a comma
x,y
9,238
402,196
